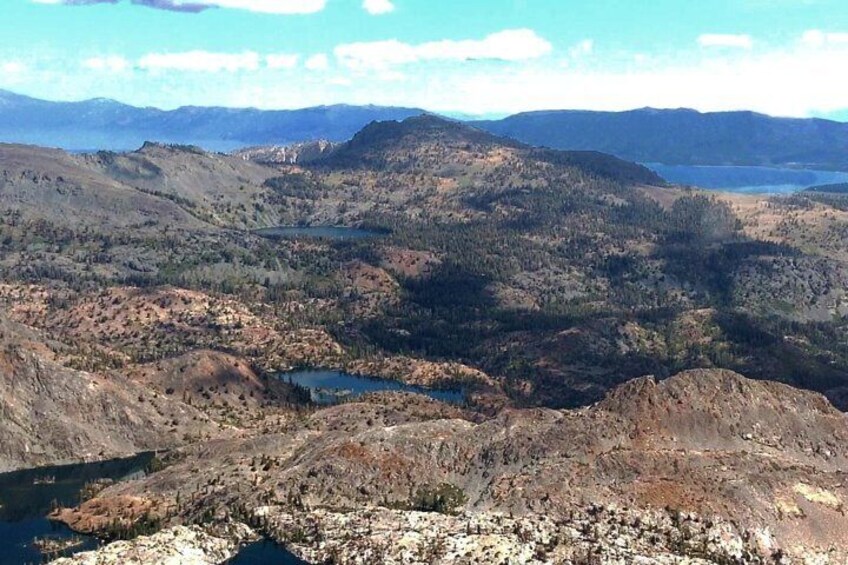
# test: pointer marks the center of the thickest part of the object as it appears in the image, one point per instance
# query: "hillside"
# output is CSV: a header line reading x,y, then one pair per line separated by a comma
x,y
427,142
686,137
558,275
54,414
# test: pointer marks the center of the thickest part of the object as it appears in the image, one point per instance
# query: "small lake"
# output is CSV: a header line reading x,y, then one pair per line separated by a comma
x,y
26,498
265,552
318,232
333,387
748,180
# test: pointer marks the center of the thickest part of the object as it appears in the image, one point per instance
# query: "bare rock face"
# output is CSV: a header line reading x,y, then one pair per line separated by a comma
x,y
712,446
297,153
594,534
52,414
179,545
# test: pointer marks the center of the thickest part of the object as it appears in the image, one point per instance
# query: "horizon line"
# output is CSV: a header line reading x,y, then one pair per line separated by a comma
x,y
453,114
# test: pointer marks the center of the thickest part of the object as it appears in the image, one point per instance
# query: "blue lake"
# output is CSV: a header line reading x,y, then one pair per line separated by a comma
x,y
749,180
26,498
319,232
265,552
332,387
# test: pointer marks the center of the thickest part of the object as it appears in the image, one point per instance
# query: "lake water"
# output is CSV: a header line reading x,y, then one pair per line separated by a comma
x,y
332,387
750,180
265,552
24,505
320,232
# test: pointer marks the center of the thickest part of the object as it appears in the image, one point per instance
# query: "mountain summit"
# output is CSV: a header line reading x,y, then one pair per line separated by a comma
x,y
429,142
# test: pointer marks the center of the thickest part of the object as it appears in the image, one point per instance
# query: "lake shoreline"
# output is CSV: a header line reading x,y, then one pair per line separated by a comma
x,y
746,179
27,496
332,386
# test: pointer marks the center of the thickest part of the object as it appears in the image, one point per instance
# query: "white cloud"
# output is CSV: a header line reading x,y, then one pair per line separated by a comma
x,y
788,82
726,40
818,38
583,48
12,67
795,79
340,81
377,7
200,61
111,63
508,45
317,62
281,61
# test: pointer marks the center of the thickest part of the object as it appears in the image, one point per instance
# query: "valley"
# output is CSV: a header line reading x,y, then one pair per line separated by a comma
x,y
577,352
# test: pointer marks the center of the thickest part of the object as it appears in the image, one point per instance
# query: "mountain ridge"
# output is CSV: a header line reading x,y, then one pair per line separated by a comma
x,y
677,136
686,137
93,124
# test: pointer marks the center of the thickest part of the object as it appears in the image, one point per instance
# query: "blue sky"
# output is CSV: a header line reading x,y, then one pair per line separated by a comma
x,y
783,57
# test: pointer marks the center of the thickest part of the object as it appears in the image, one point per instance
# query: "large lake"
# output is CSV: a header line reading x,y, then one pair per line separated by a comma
x,y
332,387
750,180
319,232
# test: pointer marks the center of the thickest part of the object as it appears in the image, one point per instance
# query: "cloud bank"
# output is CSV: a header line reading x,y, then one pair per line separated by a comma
x,y
504,72
200,61
377,7
508,45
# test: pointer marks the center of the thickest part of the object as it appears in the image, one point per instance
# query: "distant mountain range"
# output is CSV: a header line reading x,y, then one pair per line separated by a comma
x,y
107,124
671,137
686,137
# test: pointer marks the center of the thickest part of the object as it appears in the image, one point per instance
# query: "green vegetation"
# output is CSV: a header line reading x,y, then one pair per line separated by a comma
x,y
444,499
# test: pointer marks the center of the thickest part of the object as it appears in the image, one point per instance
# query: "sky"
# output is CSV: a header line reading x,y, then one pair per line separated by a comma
x,y
463,57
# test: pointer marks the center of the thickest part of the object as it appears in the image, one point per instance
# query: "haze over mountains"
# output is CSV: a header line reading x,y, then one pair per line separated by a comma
x,y
107,124
671,137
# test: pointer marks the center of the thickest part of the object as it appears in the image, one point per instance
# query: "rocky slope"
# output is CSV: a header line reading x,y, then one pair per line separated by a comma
x,y
604,535
738,455
297,153
179,545
52,414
